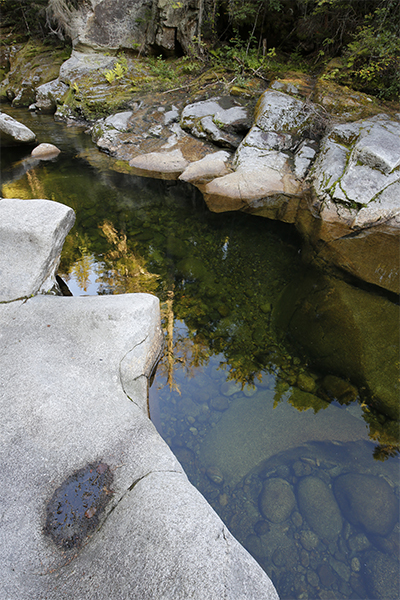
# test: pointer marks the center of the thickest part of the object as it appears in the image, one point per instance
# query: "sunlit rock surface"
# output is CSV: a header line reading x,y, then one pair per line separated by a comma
x,y
168,165
49,95
356,182
32,234
94,504
13,133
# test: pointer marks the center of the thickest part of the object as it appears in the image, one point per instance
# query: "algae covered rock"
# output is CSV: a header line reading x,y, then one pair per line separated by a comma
x,y
31,65
49,95
277,111
367,161
356,183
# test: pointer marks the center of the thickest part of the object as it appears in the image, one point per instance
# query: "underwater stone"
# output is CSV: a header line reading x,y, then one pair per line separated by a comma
x,y
277,500
220,403
382,574
215,475
340,390
318,505
309,540
367,502
228,388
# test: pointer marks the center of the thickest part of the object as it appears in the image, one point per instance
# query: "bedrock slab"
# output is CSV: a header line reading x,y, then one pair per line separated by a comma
x,y
94,503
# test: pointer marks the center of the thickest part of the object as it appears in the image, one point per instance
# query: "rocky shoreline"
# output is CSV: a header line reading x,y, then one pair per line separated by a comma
x,y
304,152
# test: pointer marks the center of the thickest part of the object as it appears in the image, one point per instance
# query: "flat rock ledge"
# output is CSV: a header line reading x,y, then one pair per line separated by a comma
x,y
94,503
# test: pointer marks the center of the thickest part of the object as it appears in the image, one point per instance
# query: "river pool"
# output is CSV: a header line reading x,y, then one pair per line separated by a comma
x,y
286,452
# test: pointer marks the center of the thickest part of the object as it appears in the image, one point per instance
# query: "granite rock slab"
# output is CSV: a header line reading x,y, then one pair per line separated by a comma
x,y
35,230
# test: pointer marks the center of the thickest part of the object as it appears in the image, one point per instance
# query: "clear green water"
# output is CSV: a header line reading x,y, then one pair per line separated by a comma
x,y
292,474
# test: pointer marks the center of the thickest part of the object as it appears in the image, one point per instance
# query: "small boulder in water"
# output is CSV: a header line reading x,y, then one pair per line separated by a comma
x,y
45,151
14,133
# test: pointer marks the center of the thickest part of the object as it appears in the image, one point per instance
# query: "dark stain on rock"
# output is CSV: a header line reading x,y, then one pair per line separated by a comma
x,y
76,506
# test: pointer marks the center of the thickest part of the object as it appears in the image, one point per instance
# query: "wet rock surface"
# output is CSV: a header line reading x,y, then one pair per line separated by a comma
x,y
74,510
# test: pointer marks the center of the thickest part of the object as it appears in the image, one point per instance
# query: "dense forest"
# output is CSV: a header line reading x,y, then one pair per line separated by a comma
x,y
360,39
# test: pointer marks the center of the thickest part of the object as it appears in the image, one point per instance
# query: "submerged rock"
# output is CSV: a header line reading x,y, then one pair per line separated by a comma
x,y
346,331
260,430
276,500
368,502
382,574
318,506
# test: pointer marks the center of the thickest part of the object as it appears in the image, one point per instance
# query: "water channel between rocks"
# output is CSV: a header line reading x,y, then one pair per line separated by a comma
x,y
284,458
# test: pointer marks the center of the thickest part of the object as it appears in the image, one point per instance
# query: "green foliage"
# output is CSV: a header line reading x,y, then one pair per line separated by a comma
x,y
119,70
160,68
372,57
25,17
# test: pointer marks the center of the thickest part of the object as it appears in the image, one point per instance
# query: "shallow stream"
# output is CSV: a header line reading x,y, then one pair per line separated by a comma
x,y
281,449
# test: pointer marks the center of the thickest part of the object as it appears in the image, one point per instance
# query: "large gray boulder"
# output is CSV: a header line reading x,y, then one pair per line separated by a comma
x,y
270,163
355,186
49,95
105,25
223,121
94,503
13,133
35,230
359,166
